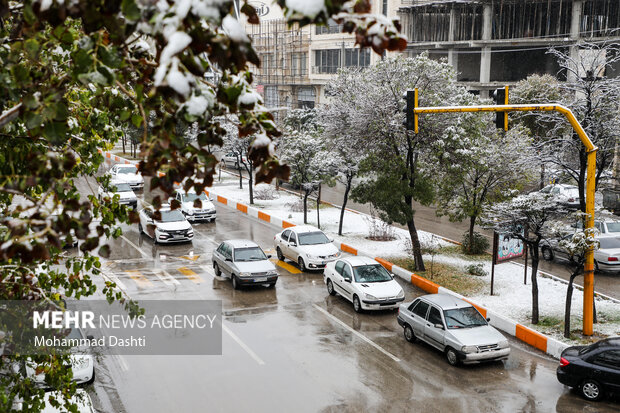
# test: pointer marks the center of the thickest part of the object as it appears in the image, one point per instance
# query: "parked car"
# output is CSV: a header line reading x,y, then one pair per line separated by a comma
x,y
594,370
231,159
453,326
606,257
167,226
307,246
196,207
128,174
245,263
364,282
124,192
566,195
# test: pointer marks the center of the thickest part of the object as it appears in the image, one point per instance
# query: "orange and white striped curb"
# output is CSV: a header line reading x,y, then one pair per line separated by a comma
x,y
535,339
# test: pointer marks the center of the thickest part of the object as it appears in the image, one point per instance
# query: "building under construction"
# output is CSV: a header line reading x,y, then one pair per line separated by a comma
x,y
495,42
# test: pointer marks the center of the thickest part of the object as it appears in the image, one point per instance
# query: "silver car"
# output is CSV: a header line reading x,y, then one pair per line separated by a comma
x,y
245,263
453,326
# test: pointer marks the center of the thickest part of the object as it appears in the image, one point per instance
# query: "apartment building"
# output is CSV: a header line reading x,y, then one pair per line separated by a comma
x,y
492,43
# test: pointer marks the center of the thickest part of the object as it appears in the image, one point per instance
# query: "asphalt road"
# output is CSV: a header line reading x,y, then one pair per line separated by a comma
x,y
295,348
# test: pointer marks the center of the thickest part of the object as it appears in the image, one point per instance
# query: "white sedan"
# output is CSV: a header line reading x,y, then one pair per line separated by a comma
x,y
167,226
607,256
307,246
129,174
124,192
196,207
364,282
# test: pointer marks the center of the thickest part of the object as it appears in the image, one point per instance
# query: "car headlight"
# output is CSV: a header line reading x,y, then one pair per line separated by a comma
x,y
401,294
469,349
272,272
81,363
311,257
244,274
371,297
503,344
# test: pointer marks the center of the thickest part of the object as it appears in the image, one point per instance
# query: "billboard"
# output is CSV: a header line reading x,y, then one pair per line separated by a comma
x,y
507,247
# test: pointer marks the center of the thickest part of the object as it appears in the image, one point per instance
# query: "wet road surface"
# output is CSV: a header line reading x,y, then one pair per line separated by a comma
x,y
295,348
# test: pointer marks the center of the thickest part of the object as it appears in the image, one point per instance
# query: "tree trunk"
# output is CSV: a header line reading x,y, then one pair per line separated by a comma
x,y
569,297
344,203
123,142
472,222
534,251
318,204
415,243
542,176
251,186
306,193
239,171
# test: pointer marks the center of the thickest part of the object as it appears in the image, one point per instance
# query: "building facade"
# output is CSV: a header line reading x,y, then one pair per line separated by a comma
x,y
492,43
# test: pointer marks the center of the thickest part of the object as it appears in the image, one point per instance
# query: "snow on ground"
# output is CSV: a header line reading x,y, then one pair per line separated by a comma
x,y
511,297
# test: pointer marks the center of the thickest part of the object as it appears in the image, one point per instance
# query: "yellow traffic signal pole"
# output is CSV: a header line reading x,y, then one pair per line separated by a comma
x,y
588,285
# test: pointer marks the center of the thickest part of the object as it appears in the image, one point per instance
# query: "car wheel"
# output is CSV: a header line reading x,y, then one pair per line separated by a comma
x,y
591,390
409,334
140,229
330,287
596,268
235,282
452,357
547,253
357,306
302,265
237,165
279,254
216,269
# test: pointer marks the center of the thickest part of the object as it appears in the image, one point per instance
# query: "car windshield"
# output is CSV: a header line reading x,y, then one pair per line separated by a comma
x,y
374,273
171,216
613,226
312,238
121,187
607,243
464,318
249,254
191,197
128,169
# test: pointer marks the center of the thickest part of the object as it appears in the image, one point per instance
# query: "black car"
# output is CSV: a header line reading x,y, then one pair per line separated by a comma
x,y
593,369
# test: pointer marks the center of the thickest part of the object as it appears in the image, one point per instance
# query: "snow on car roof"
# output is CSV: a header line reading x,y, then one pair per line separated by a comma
x,y
359,260
299,229
446,301
241,243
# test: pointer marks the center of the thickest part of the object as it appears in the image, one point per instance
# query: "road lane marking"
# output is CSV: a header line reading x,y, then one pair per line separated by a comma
x,y
288,267
144,254
191,275
122,363
116,281
357,333
191,257
167,278
243,345
140,279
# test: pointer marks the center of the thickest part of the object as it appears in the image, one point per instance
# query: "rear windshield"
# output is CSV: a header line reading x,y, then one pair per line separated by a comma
x,y
312,238
464,318
613,226
249,254
609,243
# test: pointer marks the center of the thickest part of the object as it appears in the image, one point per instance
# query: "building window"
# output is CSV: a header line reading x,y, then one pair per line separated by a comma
x,y
306,97
328,61
303,69
271,97
332,27
294,64
357,58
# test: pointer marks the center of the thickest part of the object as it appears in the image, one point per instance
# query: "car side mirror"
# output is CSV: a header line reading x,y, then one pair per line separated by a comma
x,y
90,337
268,255
228,259
392,275
293,244
330,239
439,326
211,198
488,319
347,280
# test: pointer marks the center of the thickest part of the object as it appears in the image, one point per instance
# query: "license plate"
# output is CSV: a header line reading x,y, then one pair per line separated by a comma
x,y
322,262
260,279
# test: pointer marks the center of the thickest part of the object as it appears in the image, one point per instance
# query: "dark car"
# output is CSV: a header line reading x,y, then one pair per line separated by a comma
x,y
593,369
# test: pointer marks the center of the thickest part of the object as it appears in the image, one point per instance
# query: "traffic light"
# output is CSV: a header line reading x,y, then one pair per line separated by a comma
x,y
500,96
409,116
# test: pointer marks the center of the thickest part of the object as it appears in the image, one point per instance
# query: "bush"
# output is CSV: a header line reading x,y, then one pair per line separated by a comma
x,y
478,246
476,269
264,192
295,206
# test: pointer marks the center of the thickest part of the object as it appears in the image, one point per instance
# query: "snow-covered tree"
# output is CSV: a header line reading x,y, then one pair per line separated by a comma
x,y
545,127
398,167
478,166
335,119
595,101
536,213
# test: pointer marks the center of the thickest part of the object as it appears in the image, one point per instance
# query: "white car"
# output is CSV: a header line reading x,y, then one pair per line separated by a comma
x,y
196,207
165,226
231,159
129,174
81,399
307,246
607,256
123,190
364,282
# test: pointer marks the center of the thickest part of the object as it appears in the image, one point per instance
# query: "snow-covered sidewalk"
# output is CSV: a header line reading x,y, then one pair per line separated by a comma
x,y
512,299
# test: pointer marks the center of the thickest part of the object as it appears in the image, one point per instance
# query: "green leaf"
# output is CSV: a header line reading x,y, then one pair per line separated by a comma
x,y
131,10
136,120
82,61
125,115
109,57
104,251
56,132
32,48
